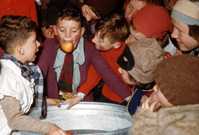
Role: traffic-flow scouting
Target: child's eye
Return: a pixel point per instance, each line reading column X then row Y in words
column 130, row 6
column 182, row 32
column 74, row 31
column 62, row 30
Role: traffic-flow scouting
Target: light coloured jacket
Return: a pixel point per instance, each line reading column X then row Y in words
column 13, row 84
column 178, row 120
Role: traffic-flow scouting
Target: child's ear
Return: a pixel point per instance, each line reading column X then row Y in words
column 117, row 45
column 82, row 31
column 20, row 49
column 55, row 29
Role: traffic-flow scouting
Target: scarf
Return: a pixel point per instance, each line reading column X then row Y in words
column 135, row 99
column 66, row 76
column 31, row 71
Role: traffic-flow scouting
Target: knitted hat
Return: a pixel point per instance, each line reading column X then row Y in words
column 147, row 53
column 104, row 7
column 186, row 11
column 153, row 21
column 178, row 79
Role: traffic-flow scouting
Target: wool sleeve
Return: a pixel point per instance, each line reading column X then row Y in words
column 18, row 120
column 93, row 79
column 107, row 74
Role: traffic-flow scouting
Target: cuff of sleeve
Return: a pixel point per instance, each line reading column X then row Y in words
column 82, row 95
column 127, row 98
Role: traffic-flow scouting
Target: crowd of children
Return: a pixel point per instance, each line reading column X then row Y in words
column 149, row 35
column 129, row 50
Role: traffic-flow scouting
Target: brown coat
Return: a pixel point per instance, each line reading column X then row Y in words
column 178, row 120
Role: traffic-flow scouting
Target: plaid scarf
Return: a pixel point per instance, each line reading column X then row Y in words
column 66, row 76
column 31, row 71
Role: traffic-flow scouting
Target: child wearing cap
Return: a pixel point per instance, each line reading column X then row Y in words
column 137, row 64
column 147, row 34
column 177, row 90
column 151, row 21
column 186, row 27
column 185, row 20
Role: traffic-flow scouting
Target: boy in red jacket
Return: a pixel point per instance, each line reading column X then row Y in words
column 111, row 32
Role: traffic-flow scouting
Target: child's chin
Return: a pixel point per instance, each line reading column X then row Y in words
column 33, row 59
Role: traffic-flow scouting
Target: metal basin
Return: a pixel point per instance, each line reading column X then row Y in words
column 88, row 118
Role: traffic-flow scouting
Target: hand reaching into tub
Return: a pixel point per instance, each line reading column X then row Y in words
column 53, row 101
column 55, row 130
column 73, row 101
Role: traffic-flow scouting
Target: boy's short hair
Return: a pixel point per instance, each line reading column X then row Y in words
column 15, row 30
column 115, row 27
column 71, row 12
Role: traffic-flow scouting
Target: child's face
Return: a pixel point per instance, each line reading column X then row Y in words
column 164, row 102
column 125, row 76
column 135, row 36
column 181, row 34
column 104, row 44
column 69, row 30
column 132, row 8
column 29, row 48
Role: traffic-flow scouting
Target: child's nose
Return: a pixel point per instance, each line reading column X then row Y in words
column 67, row 34
column 132, row 13
column 94, row 40
column 38, row 43
column 174, row 34
column 120, row 70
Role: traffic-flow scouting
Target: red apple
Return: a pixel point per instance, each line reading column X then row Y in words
column 67, row 46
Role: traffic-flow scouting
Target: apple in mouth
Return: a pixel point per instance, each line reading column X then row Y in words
column 67, row 46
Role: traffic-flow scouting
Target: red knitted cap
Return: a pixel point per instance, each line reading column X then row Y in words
column 178, row 79
column 153, row 21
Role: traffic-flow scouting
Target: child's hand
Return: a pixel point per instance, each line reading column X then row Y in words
column 53, row 101
column 55, row 130
column 48, row 33
column 178, row 52
column 88, row 13
column 73, row 101
column 151, row 107
column 153, row 97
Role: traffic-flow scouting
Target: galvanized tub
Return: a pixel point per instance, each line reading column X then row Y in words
column 88, row 118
